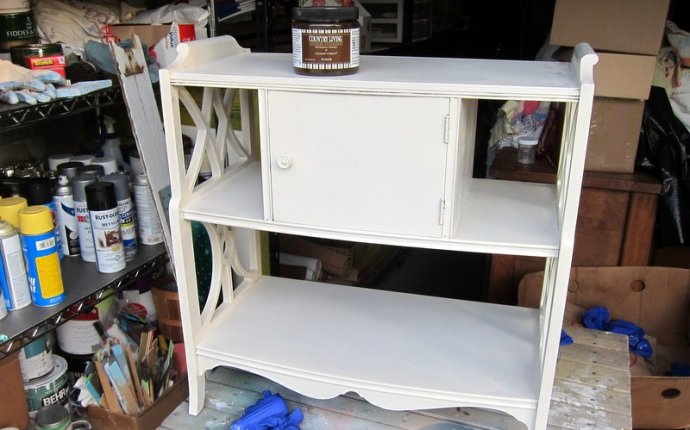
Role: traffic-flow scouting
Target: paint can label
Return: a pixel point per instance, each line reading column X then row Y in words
column 35, row 360
column 107, row 239
column 67, row 225
column 128, row 228
column 16, row 29
column 51, row 389
column 86, row 246
column 43, row 268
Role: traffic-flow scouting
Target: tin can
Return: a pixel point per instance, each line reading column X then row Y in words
column 51, row 389
column 105, row 227
column 148, row 222
column 81, row 211
column 39, row 192
column 16, row 29
column 325, row 40
column 66, row 217
column 69, row 169
column 126, row 210
column 53, row 417
column 13, row 280
column 94, row 170
column 41, row 255
column 36, row 359
column 56, row 159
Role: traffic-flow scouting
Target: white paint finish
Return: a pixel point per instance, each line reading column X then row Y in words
column 365, row 155
column 541, row 222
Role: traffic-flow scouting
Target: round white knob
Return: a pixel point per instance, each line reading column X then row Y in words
column 284, row 161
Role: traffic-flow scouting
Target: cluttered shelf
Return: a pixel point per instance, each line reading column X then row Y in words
column 84, row 288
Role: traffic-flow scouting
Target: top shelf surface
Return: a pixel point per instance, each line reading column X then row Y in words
column 491, row 79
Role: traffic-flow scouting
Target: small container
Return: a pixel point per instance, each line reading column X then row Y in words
column 527, row 148
column 325, row 40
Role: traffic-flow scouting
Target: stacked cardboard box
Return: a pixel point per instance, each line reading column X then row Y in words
column 626, row 34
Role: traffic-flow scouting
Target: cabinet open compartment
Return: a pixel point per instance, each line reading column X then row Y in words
column 381, row 156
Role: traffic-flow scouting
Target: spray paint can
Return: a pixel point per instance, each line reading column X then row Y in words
column 105, row 227
column 10, row 207
column 39, row 192
column 13, row 280
column 66, row 217
column 148, row 221
column 41, row 255
column 94, row 170
column 69, row 169
column 81, row 211
column 127, row 214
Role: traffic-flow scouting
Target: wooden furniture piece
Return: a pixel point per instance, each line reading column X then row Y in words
column 381, row 156
column 615, row 224
column 591, row 390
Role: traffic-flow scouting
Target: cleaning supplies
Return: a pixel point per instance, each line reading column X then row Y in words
column 110, row 142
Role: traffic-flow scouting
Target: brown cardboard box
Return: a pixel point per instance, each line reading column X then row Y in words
column 619, row 75
column 14, row 411
column 658, row 300
column 149, row 419
column 630, row 26
column 614, row 134
column 149, row 34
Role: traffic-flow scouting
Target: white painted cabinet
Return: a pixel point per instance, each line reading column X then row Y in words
column 381, row 156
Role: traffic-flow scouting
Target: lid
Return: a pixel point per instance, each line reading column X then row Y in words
column 56, row 159
column 119, row 180
column 100, row 196
column 109, row 164
column 35, row 220
column 10, row 207
column 6, row 229
column 79, row 184
column 85, row 159
column 38, row 191
column 94, row 170
column 528, row 141
column 325, row 14
column 69, row 169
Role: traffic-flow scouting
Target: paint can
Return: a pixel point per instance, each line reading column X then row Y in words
column 66, row 216
column 13, row 279
column 9, row 209
column 51, row 389
column 19, row 54
column 126, row 210
column 109, row 164
column 81, row 211
column 148, row 222
column 79, row 336
column 41, row 255
column 56, row 159
column 105, row 227
column 53, row 417
column 36, row 359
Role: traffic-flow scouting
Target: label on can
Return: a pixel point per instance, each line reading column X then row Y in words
column 148, row 222
column 35, row 359
column 51, row 389
column 13, row 278
column 16, row 29
column 43, row 268
column 86, row 246
column 67, row 225
column 128, row 227
column 107, row 239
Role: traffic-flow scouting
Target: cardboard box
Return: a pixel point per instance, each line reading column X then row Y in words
column 658, row 300
column 150, row 418
column 14, row 411
column 614, row 134
column 149, row 34
column 619, row 75
column 629, row 26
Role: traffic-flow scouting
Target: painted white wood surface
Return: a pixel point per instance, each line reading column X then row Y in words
column 591, row 390
column 245, row 332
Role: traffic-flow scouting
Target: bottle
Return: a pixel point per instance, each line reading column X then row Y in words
column 148, row 222
column 105, row 227
column 81, row 211
column 39, row 243
column 111, row 143
column 127, row 214
column 66, row 216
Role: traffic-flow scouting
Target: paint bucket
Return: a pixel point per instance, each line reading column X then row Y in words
column 36, row 359
column 51, row 389
column 53, row 417
column 79, row 336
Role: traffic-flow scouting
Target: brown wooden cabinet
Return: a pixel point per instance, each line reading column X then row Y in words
column 614, row 228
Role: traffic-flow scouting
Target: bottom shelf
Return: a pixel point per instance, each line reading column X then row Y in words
column 399, row 351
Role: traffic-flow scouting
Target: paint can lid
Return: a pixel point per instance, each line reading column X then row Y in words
column 100, row 196
column 57, row 159
column 94, row 170
column 10, row 207
column 35, row 219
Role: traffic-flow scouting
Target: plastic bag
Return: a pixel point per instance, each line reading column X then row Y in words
column 663, row 152
column 268, row 413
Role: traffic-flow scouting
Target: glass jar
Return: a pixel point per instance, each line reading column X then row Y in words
column 325, row 40
column 527, row 149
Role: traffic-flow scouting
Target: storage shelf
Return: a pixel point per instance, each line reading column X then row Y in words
column 525, row 80
column 432, row 347
column 84, row 287
column 523, row 216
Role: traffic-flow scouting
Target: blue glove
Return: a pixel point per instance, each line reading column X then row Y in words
column 596, row 318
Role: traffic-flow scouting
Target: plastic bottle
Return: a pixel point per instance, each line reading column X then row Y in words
column 111, row 143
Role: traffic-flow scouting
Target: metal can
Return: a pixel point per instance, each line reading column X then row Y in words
column 10, row 207
column 81, row 211
column 66, row 217
column 16, row 29
column 148, row 222
column 41, row 255
column 105, row 227
column 53, row 417
column 13, row 280
column 126, row 209
column 39, row 192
